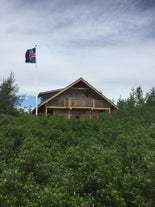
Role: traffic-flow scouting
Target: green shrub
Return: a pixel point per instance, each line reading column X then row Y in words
column 52, row 161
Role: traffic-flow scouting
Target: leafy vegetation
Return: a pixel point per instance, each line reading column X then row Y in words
column 53, row 161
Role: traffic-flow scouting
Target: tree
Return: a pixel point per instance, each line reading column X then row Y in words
column 122, row 103
column 8, row 96
column 136, row 99
column 140, row 100
column 150, row 97
column 131, row 101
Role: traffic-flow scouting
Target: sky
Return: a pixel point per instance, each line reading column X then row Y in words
column 110, row 43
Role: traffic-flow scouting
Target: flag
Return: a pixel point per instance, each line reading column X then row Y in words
column 30, row 56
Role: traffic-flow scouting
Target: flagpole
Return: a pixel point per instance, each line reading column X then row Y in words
column 36, row 83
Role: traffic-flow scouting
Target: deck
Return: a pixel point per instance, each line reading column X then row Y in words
column 79, row 103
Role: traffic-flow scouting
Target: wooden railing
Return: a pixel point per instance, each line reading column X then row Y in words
column 79, row 103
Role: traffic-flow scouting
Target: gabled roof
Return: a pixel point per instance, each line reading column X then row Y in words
column 71, row 85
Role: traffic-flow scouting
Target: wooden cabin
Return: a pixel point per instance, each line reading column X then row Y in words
column 77, row 100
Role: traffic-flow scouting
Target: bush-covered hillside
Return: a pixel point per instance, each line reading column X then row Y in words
column 53, row 161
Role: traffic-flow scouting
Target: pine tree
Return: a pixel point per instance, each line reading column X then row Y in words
column 8, row 96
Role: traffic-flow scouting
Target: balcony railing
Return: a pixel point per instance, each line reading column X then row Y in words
column 79, row 103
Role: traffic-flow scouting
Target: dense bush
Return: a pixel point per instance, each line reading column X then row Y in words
column 53, row 161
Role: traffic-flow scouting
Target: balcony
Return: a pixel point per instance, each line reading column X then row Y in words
column 80, row 103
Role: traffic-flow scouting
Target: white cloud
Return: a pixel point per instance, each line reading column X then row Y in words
column 109, row 43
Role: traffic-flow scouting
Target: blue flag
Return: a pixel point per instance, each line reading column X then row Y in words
column 30, row 56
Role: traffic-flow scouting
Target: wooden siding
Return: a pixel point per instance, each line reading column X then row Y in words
column 75, row 113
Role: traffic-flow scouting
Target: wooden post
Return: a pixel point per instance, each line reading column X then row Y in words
column 90, row 114
column 69, row 114
column 109, row 110
column 45, row 109
column 93, row 103
column 69, row 102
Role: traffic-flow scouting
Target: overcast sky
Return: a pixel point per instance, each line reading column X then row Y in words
column 110, row 43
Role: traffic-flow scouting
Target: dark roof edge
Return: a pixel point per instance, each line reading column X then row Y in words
column 51, row 91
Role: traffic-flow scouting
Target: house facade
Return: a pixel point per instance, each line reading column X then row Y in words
column 77, row 100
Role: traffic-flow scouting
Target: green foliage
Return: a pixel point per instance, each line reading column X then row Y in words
column 53, row 161
column 8, row 96
column 137, row 98
column 150, row 97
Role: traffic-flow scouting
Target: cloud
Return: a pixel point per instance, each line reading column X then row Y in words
column 109, row 43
